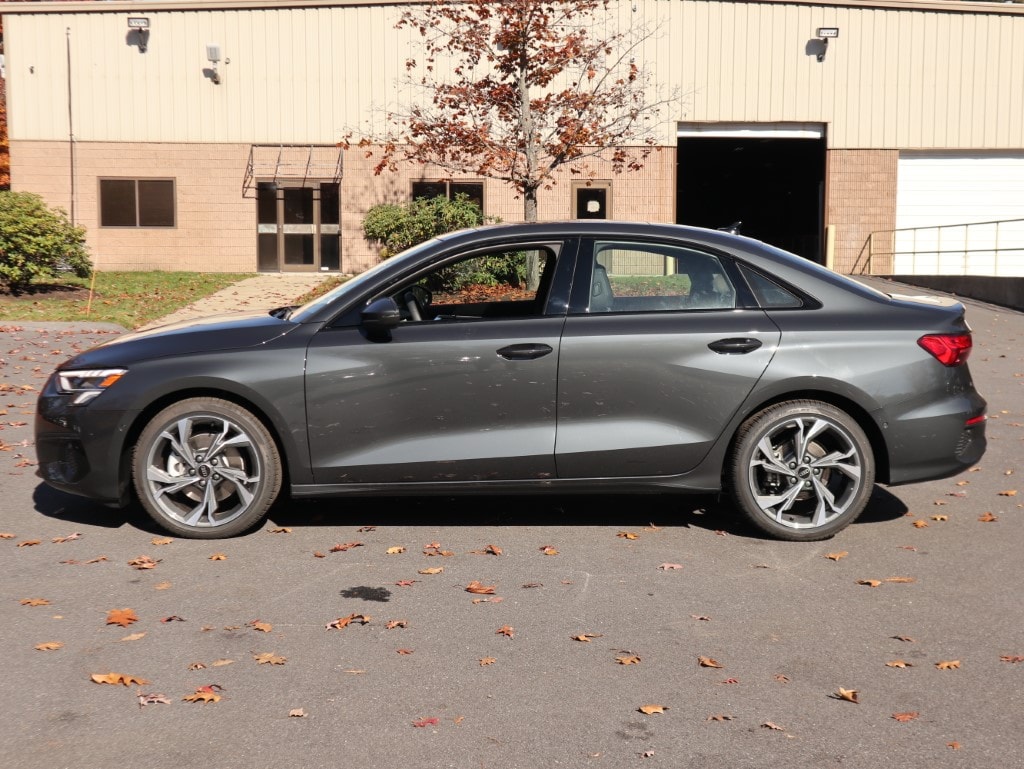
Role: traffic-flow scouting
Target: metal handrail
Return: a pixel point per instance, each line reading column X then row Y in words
column 938, row 243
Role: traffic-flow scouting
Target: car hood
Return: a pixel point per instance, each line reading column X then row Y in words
column 203, row 335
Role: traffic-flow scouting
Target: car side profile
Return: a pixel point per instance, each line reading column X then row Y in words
column 573, row 357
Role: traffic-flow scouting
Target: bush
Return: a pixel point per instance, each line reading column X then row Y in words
column 37, row 242
column 400, row 226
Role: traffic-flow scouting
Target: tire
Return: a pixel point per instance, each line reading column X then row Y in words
column 808, row 497
column 206, row 468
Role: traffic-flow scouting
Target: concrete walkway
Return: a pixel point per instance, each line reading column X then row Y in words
column 264, row 291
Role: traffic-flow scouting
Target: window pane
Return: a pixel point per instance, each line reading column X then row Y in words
column 330, row 203
column 266, row 246
column 769, row 293
column 429, row 190
column 156, row 203
column 472, row 190
column 298, row 250
column 266, row 203
column 298, row 205
column 117, row 203
column 330, row 252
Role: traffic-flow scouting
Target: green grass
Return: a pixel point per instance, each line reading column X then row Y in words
column 129, row 299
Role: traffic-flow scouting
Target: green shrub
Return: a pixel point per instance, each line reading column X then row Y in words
column 400, row 226
column 37, row 242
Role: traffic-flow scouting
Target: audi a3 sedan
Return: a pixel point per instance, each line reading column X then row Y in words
column 577, row 357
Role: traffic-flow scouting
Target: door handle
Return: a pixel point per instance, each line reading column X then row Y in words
column 736, row 346
column 525, row 351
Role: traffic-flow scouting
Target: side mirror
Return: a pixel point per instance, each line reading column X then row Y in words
column 380, row 315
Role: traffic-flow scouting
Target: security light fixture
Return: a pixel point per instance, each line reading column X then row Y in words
column 140, row 26
column 213, row 56
column 824, row 35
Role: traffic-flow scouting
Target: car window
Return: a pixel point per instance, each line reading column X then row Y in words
column 503, row 283
column 770, row 294
column 648, row 277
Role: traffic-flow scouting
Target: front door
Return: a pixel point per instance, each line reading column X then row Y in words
column 298, row 227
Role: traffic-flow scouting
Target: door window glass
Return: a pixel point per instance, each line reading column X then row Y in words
column 654, row 277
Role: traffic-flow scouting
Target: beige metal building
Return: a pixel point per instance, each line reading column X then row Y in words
column 203, row 135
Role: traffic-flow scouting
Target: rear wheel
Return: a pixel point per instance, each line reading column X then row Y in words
column 802, row 470
column 206, row 468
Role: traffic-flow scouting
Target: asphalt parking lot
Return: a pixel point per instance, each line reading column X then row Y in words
column 343, row 634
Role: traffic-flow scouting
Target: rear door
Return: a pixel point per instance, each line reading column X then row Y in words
column 656, row 357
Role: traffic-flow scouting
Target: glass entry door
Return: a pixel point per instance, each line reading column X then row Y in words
column 298, row 227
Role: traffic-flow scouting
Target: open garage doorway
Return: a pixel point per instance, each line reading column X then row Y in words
column 771, row 179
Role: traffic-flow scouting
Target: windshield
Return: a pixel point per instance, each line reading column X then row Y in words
column 310, row 308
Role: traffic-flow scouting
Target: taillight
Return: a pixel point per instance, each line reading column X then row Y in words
column 948, row 349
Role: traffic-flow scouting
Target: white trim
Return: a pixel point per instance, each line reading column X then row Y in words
column 752, row 130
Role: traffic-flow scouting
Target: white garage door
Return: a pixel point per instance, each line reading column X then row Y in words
column 960, row 214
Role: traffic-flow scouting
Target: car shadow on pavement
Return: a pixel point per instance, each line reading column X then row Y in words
column 67, row 507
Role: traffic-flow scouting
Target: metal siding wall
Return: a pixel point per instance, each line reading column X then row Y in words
column 894, row 78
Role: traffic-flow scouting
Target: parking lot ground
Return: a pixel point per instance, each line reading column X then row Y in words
column 600, row 606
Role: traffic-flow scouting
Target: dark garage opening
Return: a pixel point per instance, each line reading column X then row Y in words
column 775, row 187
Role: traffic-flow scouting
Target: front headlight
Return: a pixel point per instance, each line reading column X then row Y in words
column 86, row 385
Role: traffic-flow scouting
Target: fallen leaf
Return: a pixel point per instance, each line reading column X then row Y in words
column 920, row 524
column 904, row 638
column 161, row 541
column 7, row 535
column 122, row 617
column 152, row 699
column 901, row 580
column 263, row 627
column 404, row 652
column 954, row 745
column 708, row 662
column 904, row 717
column 434, row 570
column 218, row 557
column 68, row 538
column 1009, row 493
column 1012, row 658
column 850, row 695
column 484, row 661
column 117, row 678
column 281, row 530
column 528, row 585
column 701, row 617
column 719, row 717
column 204, row 694
column 490, row 599
column 781, row 678
column 631, row 659
column 585, row 637
column 396, row 550
column 134, row 636
column 477, row 587
column 899, row 664
column 774, row 727
column 627, row 535
column 269, row 658
column 172, row 618
column 948, row 665
column 488, row 550
column 549, row 550
column 220, row 663
column 670, row 566
column 143, row 562
column 346, row 546
column 296, row 713
column 506, row 630
column 342, row 622
column 988, row 518
column 30, row 543
column 650, row 710
column 406, row 582
column 49, row 646
column 836, row 556
column 869, row 582
column 162, row 586
column 396, row 623
column 197, row 666
column 432, row 721
column 318, row 554
column 35, row 602
column 366, row 529
column 940, row 518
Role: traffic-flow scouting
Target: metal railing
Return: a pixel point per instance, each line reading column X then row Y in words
column 973, row 248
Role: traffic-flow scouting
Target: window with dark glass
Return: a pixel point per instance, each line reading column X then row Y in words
column 439, row 189
column 137, row 203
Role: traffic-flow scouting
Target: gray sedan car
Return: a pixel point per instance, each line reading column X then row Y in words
column 576, row 357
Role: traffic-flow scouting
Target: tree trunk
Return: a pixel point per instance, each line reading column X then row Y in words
column 530, row 215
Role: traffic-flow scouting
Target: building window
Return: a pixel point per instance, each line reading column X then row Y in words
column 137, row 203
column 472, row 190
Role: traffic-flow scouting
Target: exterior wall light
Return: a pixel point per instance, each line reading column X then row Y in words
column 824, row 35
column 139, row 27
column 213, row 56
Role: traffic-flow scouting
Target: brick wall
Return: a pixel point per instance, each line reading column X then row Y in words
column 860, row 199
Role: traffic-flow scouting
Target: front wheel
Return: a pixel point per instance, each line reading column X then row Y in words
column 802, row 470
column 206, row 468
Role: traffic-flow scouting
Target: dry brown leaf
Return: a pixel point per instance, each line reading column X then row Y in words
column 152, row 699
column 489, row 599
column 549, row 550
column 719, row 717
column 158, row 541
column 1008, row 493
column 404, row 652
column 627, row 535
column 434, row 570
column 68, row 538
column 901, row 580
column 940, row 518
column 269, row 658
column 342, row 622
column 197, row 666
column 898, row 664
column 218, row 557
column 650, row 710
column 162, row 586
column 477, row 587
column 836, row 556
column 773, row 727
column 35, row 602
column 204, row 694
column 920, row 524
column 904, row 638
column 850, row 695
column 585, row 637
column 954, row 745
column 488, row 550
column 708, row 662
column 7, row 535
column 869, row 582
column 904, row 717
column 263, row 627
column 630, row 659
column 396, row 550
column 296, row 713
column 220, row 663
column 781, row 678
column 948, row 665
column 988, row 518
column 30, row 543
column 484, row 661
column 1012, row 658
column 670, row 566
column 122, row 617
column 506, row 630
column 118, row 678
column 406, row 582
column 701, row 617
column 134, row 636
column 280, row 530
column 396, row 623
column 49, row 646
column 432, row 721
column 341, row 548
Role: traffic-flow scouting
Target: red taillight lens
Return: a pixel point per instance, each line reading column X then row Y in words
column 948, row 349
